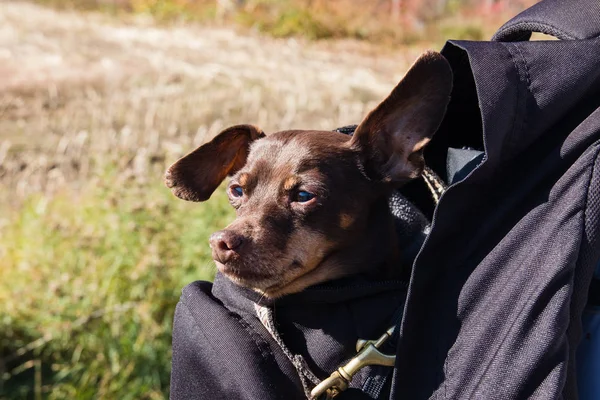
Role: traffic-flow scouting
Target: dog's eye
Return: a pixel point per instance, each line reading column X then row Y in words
column 236, row 191
column 303, row 196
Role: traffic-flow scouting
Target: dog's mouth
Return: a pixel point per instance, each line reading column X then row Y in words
column 276, row 281
column 264, row 282
column 244, row 276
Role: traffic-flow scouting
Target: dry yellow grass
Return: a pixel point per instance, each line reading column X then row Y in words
column 77, row 88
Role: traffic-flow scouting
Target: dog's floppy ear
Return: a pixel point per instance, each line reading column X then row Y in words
column 392, row 136
column 196, row 176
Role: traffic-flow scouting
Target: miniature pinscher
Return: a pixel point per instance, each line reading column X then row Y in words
column 312, row 205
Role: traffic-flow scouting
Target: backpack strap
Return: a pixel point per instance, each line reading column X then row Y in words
column 564, row 19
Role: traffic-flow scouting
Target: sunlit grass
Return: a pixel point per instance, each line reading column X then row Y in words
column 88, row 284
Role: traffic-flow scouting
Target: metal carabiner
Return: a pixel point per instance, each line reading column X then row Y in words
column 368, row 354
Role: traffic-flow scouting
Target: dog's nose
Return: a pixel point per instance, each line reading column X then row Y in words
column 224, row 245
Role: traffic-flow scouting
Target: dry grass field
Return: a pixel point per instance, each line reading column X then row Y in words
column 94, row 250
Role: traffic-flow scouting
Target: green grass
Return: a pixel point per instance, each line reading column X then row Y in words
column 88, row 284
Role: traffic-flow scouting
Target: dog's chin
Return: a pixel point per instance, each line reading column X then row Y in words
column 269, row 285
column 246, row 277
column 292, row 279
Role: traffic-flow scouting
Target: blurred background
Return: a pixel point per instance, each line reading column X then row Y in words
column 98, row 97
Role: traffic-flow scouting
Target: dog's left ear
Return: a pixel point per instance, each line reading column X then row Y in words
column 392, row 137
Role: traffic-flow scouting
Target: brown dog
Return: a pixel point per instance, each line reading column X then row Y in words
column 312, row 205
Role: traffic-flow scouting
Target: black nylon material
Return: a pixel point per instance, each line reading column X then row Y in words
column 498, row 316
column 222, row 351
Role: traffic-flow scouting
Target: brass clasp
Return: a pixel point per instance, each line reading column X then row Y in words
column 368, row 354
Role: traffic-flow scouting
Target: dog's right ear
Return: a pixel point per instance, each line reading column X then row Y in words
column 392, row 137
column 196, row 176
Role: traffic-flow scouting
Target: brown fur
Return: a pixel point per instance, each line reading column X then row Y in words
column 279, row 244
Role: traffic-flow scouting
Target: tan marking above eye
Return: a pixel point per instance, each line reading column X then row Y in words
column 243, row 180
column 290, row 183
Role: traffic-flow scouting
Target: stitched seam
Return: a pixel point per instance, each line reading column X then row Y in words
column 517, row 95
column 445, row 369
column 528, row 91
column 261, row 345
column 527, row 76
column 584, row 229
column 587, row 198
column 593, row 163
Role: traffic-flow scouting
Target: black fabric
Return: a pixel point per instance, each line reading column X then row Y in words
column 494, row 305
column 222, row 351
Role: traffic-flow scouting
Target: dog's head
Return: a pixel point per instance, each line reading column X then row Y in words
column 311, row 205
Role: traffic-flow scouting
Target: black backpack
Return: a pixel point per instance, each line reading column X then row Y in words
column 494, row 306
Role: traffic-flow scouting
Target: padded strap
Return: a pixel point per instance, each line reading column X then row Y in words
column 564, row 19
